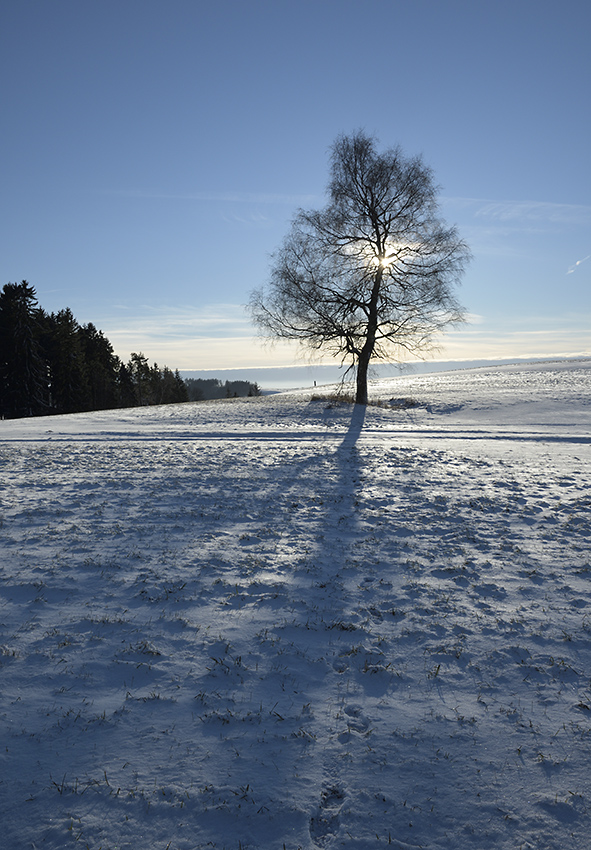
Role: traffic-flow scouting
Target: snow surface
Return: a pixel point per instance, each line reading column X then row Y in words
column 280, row 623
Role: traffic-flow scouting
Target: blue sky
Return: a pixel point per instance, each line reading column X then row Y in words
column 154, row 153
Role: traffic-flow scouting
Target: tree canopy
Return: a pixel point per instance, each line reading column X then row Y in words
column 371, row 276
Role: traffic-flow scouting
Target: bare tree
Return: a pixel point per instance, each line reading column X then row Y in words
column 371, row 276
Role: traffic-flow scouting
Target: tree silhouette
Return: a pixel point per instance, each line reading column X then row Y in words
column 23, row 379
column 371, row 276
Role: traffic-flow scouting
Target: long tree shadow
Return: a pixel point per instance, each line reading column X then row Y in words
column 355, row 426
column 253, row 574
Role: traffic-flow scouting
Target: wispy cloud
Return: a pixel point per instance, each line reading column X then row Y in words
column 254, row 217
column 577, row 264
column 512, row 211
column 189, row 322
column 519, row 230
column 219, row 197
column 539, row 211
column 523, row 336
column 215, row 336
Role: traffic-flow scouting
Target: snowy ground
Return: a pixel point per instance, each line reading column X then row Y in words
column 275, row 623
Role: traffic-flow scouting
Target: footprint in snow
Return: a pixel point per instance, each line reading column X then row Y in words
column 356, row 724
column 325, row 823
column 340, row 665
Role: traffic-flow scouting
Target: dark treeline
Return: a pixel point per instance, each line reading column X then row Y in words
column 51, row 364
column 200, row 389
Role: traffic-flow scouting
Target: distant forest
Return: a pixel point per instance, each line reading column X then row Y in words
column 51, row 364
column 207, row 388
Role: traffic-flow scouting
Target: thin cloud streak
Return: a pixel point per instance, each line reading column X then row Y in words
column 577, row 264
column 519, row 232
column 190, row 321
column 220, row 197
column 511, row 211
column 525, row 336
column 226, row 352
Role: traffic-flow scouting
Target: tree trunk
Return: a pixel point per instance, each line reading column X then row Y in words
column 362, row 367
column 370, row 340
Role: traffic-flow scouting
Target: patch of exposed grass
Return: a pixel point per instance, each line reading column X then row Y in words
column 340, row 399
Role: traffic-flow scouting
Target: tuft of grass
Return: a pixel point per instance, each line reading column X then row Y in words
column 338, row 399
column 400, row 403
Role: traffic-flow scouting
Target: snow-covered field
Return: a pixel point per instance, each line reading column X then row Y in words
column 275, row 623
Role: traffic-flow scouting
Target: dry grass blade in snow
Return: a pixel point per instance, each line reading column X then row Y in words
column 275, row 623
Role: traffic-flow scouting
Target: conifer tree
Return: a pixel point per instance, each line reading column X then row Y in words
column 23, row 380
